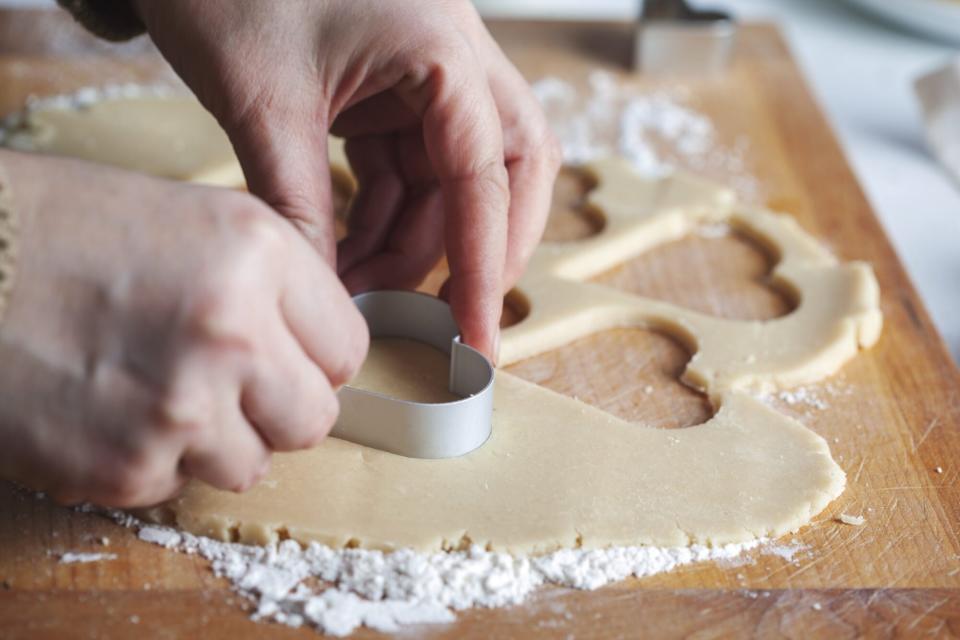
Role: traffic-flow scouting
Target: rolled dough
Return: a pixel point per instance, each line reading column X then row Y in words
column 556, row 472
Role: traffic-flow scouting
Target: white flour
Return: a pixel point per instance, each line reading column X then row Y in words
column 384, row 591
column 813, row 397
column 803, row 396
column 656, row 131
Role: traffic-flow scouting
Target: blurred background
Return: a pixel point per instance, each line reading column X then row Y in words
column 861, row 58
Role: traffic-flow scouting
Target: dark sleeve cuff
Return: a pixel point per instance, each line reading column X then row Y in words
column 109, row 19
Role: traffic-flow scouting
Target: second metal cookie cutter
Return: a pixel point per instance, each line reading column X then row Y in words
column 418, row 429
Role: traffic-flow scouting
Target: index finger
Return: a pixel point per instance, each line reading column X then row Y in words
column 464, row 143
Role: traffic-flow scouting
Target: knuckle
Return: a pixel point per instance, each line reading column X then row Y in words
column 492, row 182
column 215, row 316
column 179, row 413
column 258, row 231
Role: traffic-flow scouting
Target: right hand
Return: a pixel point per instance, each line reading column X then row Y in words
column 451, row 151
column 158, row 331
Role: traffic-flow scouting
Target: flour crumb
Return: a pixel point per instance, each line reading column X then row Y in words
column 817, row 606
column 856, row 521
column 938, row 469
column 648, row 389
column 80, row 557
column 803, row 396
column 163, row 536
column 787, row 552
column 134, row 619
column 656, row 131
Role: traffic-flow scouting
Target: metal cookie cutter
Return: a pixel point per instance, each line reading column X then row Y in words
column 419, row 429
column 674, row 38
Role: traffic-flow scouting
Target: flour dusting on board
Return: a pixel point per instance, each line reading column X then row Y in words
column 656, row 131
column 80, row 557
column 385, row 591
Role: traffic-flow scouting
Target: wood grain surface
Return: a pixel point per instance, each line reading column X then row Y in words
column 891, row 415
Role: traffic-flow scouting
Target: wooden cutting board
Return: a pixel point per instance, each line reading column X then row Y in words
column 891, row 415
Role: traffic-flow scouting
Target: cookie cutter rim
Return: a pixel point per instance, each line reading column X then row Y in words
column 420, row 429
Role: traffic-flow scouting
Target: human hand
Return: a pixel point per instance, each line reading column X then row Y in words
column 158, row 331
column 449, row 146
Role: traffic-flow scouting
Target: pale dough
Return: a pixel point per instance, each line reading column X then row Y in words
column 838, row 305
column 557, row 472
column 406, row 370
column 170, row 136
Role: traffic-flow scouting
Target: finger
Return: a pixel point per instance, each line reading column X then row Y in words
column 220, row 446
column 287, row 397
column 164, row 484
column 463, row 138
column 123, row 480
column 532, row 157
column 321, row 316
column 377, row 203
column 233, row 457
column 412, row 250
column 284, row 160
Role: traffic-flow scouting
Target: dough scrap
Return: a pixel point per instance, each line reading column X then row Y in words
column 146, row 129
column 838, row 310
column 167, row 136
column 556, row 472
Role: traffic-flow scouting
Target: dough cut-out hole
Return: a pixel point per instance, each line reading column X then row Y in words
column 631, row 373
column 725, row 274
column 571, row 219
column 516, row 307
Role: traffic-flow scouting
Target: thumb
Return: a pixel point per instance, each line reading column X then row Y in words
column 285, row 164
